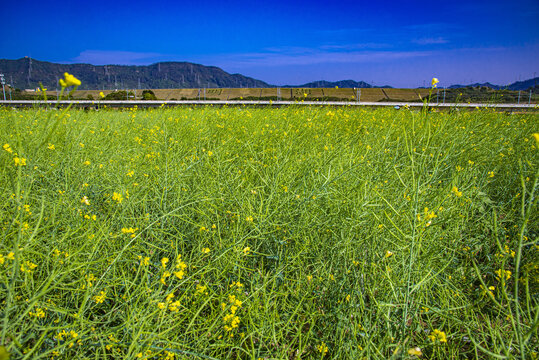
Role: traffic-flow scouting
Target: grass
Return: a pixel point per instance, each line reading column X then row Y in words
column 222, row 233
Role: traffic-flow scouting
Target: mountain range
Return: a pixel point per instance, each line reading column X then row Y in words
column 516, row 86
column 27, row 73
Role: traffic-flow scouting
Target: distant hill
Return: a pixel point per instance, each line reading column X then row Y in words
column 524, row 85
column 487, row 84
column 519, row 85
column 332, row 84
column 27, row 73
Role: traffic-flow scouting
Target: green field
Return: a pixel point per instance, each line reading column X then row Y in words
column 263, row 233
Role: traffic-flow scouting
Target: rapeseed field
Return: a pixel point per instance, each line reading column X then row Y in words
column 268, row 233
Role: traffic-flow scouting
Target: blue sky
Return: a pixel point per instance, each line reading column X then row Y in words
column 400, row 43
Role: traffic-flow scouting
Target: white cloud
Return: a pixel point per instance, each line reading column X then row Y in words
column 430, row 41
column 310, row 57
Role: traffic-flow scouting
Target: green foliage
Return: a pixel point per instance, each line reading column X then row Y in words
column 119, row 95
column 239, row 233
column 148, row 95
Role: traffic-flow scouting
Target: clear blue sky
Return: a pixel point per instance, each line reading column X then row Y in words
column 400, row 43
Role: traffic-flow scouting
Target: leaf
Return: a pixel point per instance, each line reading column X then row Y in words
column 4, row 354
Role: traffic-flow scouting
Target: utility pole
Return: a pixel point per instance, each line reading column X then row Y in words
column 519, row 96
column 3, row 83
column 444, row 95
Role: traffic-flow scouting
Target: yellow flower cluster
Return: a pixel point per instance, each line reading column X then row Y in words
column 415, row 351
column 117, row 197
column 231, row 320
column 39, row 313
column 427, row 216
column 57, row 254
column 73, row 334
column 144, row 261
column 503, row 274
column 10, row 256
column 19, row 161
column 438, row 335
column 129, row 231
column 455, row 190
column 322, row 348
column 201, row 289
column 28, row 267
column 90, row 278
column 173, row 306
column 536, row 137
column 69, row 80
column 489, row 290
column 7, row 148
column 101, row 297
column 236, row 284
column 180, row 267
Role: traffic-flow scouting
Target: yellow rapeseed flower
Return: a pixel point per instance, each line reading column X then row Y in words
column 456, row 191
column 503, row 274
column 144, row 261
column 7, row 148
column 323, row 348
column 438, row 335
column 69, row 80
column 117, row 197
column 434, row 82
column 19, row 161
column 101, row 94
column 100, row 298
column 536, row 137
column 416, row 351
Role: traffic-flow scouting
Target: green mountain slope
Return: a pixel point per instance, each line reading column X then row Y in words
column 27, row 73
